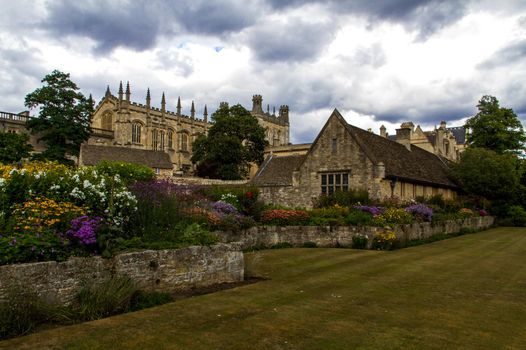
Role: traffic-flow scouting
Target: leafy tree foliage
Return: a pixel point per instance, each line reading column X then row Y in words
column 14, row 147
column 489, row 174
column 495, row 128
column 64, row 119
column 233, row 142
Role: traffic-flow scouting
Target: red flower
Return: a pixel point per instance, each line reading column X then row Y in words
column 250, row 195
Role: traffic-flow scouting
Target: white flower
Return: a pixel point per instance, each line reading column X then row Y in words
column 76, row 193
column 2, row 181
column 87, row 184
column 13, row 171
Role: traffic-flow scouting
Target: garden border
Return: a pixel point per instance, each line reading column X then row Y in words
column 341, row 236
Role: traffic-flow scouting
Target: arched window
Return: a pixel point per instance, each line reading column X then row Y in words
column 154, row 139
column 184, row 142
column 107, row 121
column 161, row 136
column 136, row 133
column 170, row 139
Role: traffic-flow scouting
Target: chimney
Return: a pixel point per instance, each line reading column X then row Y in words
column 383, row 131
column 403, row 136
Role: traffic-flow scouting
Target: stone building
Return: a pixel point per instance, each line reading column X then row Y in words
column 16, row 123
column 344, row 157
column 118, row 122
column 445, row 142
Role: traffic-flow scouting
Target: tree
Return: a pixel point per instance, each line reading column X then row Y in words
column 233, row 142
column 63, row 122
column 495, row 128
column 489, row 174
column 14, row 147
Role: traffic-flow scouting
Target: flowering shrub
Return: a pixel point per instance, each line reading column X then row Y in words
column 420, row 211
column 466, row 213
column 222, row 207
column 359, row 241
column 284, row 217
column 84, row 229
column 369, row 209
column 41, row 214
column 384, row 240
column 393, row 216
column 483, row 212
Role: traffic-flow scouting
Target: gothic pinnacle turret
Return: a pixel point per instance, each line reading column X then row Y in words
column 192, row 111
column 148, row 98
column 163, row 104
column 128, row 93
column 205, row 115
column 179, row 106
column 108, row 93
column 120, row 91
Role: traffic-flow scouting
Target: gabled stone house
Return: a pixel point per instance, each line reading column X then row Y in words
column 345, row 157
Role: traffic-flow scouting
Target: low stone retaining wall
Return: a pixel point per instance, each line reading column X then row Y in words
column 152, row 270
column 327, row 236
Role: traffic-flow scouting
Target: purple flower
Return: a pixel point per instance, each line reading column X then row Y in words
column 368, row 209
column 420, row 210
column 221, row 207
column 13, row 242
column 84, row 229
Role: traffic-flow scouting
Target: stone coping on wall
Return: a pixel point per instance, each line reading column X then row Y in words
column 169, row 271
column 341, row 236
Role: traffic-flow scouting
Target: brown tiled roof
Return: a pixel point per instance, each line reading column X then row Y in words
column 416, row 165
column 277, row 171
column 92, row 154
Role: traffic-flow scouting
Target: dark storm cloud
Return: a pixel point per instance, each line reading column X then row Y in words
column 424, row 16
column 138, row 24
column 293, row 41
column 516, row 52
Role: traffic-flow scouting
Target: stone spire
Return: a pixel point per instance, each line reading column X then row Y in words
column 108, row 93
column 148, row 98
column 257, row 101
column 128, row 93
column 179, row 106
column 120, row 91
column 192, row 111
column 163, row 104
column 268, row 108
column 205, row 115
column 274, row 111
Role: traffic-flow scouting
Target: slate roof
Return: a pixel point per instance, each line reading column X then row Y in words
column 92, row 154
column 459, row 132
column 416, row 165
column 277, row 170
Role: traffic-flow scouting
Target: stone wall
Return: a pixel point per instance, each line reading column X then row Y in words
column 327, row 236
column 161, row 270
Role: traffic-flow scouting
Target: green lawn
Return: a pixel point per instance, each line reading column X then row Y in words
column 467, row 292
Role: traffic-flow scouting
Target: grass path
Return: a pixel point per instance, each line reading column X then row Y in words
column 467, row 292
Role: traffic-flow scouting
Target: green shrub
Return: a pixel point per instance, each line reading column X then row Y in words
column 281, row 245
column 106, row 298
column 195, row 234
column 329, row 216
column 517, row 215
column 343, row 198
column 309, row 244
column 359, row 241
column 359, row 218
column 436, row 200
column 128, row 172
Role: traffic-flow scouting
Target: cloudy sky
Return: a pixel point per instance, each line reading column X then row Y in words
column 378, row 62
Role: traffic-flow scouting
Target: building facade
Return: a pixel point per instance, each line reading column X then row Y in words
column 119, row 122
column 345, row 157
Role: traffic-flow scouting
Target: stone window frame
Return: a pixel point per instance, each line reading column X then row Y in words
column 334, row 145
column 136, row 132
column 161, row 138
column 154, row 139
column 334, row 181
column 184, row 140
column 170, row 138
column 106, row 121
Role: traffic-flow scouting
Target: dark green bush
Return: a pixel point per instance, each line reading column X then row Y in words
column 329, row 216
column 359, row 241
column 309, row 244
column 143, row 300
column 359, row 218
column 128, row 172
column 343, row 198
column 281, row 245
column 517, row 215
